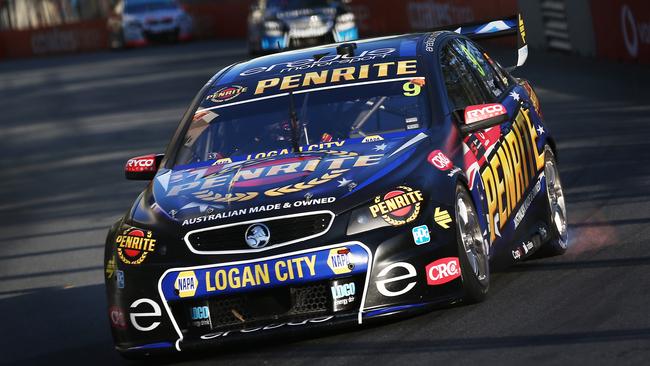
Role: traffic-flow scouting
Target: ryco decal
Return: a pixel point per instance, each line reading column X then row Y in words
column 398, row 207
column 133, row 245
column 482, row 112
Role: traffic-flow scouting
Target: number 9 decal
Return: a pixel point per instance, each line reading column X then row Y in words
column 411, row 89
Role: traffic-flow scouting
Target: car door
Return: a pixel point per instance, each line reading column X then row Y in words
column 502, row 160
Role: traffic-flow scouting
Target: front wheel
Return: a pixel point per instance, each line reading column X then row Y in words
column 472, row 249
column 556, row 206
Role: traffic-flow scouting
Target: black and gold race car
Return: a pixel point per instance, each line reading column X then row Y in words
column 333, row 185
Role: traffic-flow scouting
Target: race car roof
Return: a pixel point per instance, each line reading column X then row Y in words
column 372, row 59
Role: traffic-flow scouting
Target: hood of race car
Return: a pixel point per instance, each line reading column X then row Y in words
column 328, row 176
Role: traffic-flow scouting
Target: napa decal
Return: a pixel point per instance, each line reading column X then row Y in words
column 335, row 76
column 399, row 206
column 133, row 245
column 264, row 273
column 509, row 169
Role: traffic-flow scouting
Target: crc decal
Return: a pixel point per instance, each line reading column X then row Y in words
column 339, row 261
column 267, row 327
column 395, row 284
column 398, row 207
column 186, row 283
column 139, row 318
column 117, row 317
column 442, row 271
column 509, row 169
column 477, row 113
column 440, row 160
column 442, row 218
column 327, row 60
column 133, row 245
column 141, row 164
column 219, row 279
column 226, row 94
column 421, row 234
column 338, row 75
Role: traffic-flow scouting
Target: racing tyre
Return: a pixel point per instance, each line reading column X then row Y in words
column 557, row 221
column 472, row 249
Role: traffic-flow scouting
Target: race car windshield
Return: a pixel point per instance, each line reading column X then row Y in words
column 141, row 6
column 298, row 4
column 353, row 111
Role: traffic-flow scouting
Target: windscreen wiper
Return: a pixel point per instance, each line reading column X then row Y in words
column 293, row 122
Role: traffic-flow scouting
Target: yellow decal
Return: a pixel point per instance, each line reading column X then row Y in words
column 134, row 245
column 253, row 275
column 186, row 284
column 411, row 89
column 509, row 170
column 442, row 217
column 399, row 206
column 350, row 73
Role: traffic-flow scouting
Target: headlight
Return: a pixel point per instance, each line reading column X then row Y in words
column 273, row 28
column 361, row 221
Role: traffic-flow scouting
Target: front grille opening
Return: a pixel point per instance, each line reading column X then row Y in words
column 282, row 231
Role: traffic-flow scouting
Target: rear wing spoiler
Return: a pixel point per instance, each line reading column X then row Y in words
column 510, row 26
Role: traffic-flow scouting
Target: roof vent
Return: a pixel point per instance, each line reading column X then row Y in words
column 346, row 49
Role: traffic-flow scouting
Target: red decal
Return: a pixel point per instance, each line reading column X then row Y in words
column 440, row 160
column 477, row 113
column 142, row 164
column 443, row 270
column 118, row 319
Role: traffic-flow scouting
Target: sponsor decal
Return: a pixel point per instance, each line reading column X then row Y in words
column 440, row 160
column 141, row 164
column 516, row 254
column 398, row 207
column 507, row 172
column 270, row 272
column 395, row 284
column 133, row 245
column 477, row 113
column 185, row 284
column 267, row 327
column 119, row 277
column 442, row 271
column 327, row 60
column 257, row 236
column 226, row 94
column 117, row 317
column 249, row 176
column 260, row 209
column 339, row 260
column 442, row 218
column 110, row 268
column 343, row 295
column 372, row 138
column 152, row 311
column 527, row 202
column 338, row 75
column 200, row 316
column 421, row 234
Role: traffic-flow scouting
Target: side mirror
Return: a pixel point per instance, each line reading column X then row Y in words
column 482, row 116
column 143, row 167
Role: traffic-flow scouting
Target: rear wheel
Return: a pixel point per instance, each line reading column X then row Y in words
column 472, row 249
column 557, row 221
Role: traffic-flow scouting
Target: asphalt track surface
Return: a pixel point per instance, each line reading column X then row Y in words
column 68, row 124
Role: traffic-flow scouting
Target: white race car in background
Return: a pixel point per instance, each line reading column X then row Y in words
column 135, row 23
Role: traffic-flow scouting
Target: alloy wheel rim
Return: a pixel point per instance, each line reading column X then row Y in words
column 472, row 239
column 556, row 203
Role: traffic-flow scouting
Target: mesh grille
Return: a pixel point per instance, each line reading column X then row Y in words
column 282, row 231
